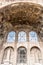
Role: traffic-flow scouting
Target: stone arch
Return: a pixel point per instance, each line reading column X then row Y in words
column 21, row 55
column 32, row 19
column 35, row 47
column 13, row 35
column 7, row 56
column 21, row 47
column 22, row 36
column 33, row 36
column 35, row 55
column 9, row 47
column 9, row 32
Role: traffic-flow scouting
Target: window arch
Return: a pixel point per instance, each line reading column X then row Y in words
column 21, row 55
column 33, row 36
column 22, row 36
column 35, row 54
column 11, row 36
column 7, row 54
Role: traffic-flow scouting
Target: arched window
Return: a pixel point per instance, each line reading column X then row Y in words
column 21, row 55
column 11, row 37
column 7, row 54
column 22, row 36
column 35, row 54
column 33, row 36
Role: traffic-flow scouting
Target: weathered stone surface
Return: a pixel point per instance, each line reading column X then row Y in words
column 21, row 17
column 21, row 14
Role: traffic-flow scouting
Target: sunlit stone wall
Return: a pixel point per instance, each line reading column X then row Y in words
column 6, row 2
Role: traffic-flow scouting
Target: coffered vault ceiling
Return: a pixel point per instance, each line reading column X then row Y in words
column 27, row 14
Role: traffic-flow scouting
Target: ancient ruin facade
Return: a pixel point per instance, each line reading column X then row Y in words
column 21, row 34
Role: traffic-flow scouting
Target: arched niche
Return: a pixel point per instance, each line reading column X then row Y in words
column 35, row 55
column 21, row 55
column 7, row 56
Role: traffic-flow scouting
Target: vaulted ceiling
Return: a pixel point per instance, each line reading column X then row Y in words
column 28, row 14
